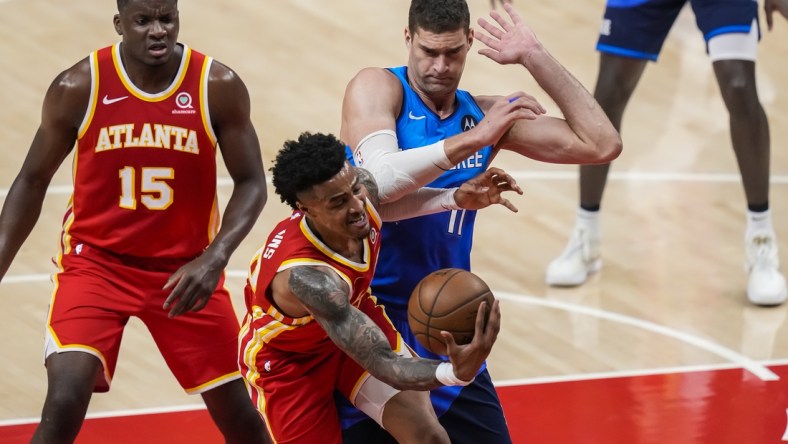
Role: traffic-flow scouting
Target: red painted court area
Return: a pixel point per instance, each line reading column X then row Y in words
column 700, row 407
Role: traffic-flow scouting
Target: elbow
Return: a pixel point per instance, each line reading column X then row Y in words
column 605, row 149
column 611, row 148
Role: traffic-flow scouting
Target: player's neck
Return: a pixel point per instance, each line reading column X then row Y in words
column 347, row 247
column 152, row 79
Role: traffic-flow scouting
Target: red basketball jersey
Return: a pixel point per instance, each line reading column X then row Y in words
column 145, row 166
column 291, row 244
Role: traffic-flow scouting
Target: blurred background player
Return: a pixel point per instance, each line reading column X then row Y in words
column 632, row 35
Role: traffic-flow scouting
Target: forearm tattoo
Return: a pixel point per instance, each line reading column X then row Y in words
column 366, row 179
column 326, row 297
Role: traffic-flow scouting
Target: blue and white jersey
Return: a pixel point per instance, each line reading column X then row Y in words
column 415, row 247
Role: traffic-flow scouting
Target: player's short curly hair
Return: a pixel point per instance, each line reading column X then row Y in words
column 439, row 16
column 301, row 164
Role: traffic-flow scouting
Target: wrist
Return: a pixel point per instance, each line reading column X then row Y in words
column 444, row 373
column 449, row 199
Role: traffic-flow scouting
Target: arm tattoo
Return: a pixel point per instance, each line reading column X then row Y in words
column 366, row 179
column 326, row 297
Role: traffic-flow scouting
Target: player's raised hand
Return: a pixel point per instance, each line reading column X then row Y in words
column 467, row 359
column 769, row 6
column 485, row 190
column 503, row 113
column 192, row 285
column 509, row 42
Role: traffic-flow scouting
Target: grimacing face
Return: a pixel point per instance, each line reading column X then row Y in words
column 149, row 29
column 436, row 61
column 336, row 206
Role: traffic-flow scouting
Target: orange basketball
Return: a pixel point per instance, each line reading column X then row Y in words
column 446, row 300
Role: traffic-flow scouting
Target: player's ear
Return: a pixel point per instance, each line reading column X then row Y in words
column 470, row 38
column 116, row 23
column 301, row 207
column 408, row 37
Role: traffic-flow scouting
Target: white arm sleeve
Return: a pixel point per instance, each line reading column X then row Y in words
column 399, row 172
column 420, row 202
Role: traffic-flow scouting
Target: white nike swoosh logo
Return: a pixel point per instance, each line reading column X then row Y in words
column 410, row 114
column 107, row 101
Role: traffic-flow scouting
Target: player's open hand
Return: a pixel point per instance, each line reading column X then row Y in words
column 486, row 189
column 192, row 285
column 493, row 3
column 468, row 359
column 769, row 6
column 510, row 41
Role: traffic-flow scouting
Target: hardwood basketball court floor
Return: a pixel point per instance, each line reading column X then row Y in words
column 660, row 347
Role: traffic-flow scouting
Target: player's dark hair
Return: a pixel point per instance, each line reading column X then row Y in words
column 122, row 4
column 439, row 16
column 306, row 162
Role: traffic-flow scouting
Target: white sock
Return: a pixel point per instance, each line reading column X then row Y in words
column 589, row 220
column 760, row 222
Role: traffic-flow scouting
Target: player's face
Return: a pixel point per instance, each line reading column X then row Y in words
column 336, row 207
column 149, row 29
column 436, row 61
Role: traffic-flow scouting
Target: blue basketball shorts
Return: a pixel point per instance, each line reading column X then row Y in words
column 637, row 28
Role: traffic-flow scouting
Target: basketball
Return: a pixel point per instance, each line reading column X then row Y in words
column 446, row 300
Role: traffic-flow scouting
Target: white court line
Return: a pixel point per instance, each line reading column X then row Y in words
column 736, row 359
column 615, row 374
column 744, row 362
column 617, row 176
column 115, row 413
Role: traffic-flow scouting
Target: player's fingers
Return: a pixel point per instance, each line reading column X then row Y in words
column 185, row 299
column 481, row 319
column 172, row 283
column 526, row 101
column 769, row 18
column 509, row 205
column 494, row 320
column 201, row 303
column 451, row 344
column 494, row 31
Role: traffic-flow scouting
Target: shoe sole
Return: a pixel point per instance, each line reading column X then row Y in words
column 595, row 266
column 779, row 300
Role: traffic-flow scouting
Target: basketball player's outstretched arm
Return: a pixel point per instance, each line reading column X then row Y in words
column 372, row 102
column 64, row 108
column 584, row 135
column 478, row 192
column 194, row 283
column 326, row 297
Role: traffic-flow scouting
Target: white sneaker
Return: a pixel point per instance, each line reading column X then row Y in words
column 766, row 285
column 579, row 259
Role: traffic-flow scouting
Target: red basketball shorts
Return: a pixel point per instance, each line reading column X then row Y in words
column 293, row 369
column 95, row 294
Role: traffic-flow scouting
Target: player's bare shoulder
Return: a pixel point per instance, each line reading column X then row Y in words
column 381, row 81
column 68, row 95
column 228, row 97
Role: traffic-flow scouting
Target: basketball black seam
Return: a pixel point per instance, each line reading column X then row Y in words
column 435, row 301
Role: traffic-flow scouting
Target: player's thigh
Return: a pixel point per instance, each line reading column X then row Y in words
column 199, row 347
column 88, row 312
column 294, row 393
column 637, row 29
column 476, row 415
column 410, row 418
